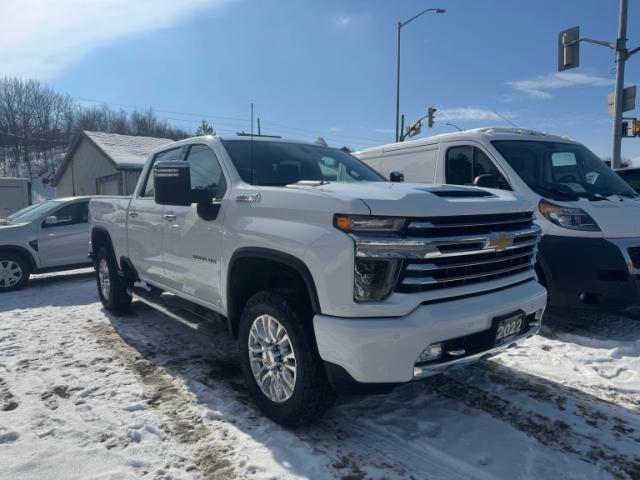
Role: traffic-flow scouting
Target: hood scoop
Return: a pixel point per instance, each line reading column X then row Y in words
column 456, row 192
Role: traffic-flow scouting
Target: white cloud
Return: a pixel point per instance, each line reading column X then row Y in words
column 39, row 38
column 539, row 87
column 342, row 20
column 467, row 114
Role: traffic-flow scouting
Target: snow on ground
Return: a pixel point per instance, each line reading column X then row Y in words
column 87, row 395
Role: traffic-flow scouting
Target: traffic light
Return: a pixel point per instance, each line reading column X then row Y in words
column 625, row 129
column 430, row 114
column 635, row 127
column 569, row 49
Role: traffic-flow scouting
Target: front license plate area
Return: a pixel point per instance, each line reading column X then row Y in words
column 508, row 327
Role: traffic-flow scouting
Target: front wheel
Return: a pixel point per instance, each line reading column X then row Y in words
column 280, row 362
column 14, row 272
column 111, row 289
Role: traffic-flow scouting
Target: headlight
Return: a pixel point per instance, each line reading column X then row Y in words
column 368, row 223
column 374, row 279
column 567, row 217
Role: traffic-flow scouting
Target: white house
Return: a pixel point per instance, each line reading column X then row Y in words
column 100, row 163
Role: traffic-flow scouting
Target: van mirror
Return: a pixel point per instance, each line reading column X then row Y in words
column 488, row 180
column 172, row 181
column 396, row 176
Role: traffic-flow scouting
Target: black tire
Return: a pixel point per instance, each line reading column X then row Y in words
column 12, row 267
column 312, row 395
column 113, row 294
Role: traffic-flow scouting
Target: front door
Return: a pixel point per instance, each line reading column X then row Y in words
column 192, row 245
column 65, row 242
column 145, row 225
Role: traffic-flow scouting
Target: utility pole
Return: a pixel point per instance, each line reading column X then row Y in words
column 399, row 133
column 621, row 57
column 569, row 57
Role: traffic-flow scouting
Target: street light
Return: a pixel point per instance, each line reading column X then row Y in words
column 400, row 25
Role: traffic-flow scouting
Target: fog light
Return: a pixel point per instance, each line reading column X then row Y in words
column 432, row 352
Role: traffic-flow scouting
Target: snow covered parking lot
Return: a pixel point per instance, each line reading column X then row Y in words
column 86, row 395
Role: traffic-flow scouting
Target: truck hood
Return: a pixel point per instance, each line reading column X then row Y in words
column 420, row 200
column 618, row 217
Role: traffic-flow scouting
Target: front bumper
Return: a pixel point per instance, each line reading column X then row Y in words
column 590, row 272
column 385, row 350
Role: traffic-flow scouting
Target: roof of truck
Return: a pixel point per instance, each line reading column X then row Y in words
column 473, row 134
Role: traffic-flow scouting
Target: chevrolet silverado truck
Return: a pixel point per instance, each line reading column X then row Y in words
column 330, row 278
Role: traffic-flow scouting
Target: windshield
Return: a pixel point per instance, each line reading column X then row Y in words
column 28, row 214
column 562, row 170
column 284, row 163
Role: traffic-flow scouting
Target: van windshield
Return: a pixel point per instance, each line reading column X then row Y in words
column 271, row 163
column 562, row 170
column 32, row 212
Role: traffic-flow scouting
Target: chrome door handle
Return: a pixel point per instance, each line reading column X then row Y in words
column 252, row 198
column 169, row 217
column 133, row 214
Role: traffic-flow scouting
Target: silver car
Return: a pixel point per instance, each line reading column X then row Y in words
column 45, row 237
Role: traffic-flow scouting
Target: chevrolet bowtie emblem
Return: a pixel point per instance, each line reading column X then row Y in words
column 500, row 243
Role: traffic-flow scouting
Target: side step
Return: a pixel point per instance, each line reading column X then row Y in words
column 183, row 311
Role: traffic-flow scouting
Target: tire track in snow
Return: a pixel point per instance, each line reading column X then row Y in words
column 578, row 432
column 165, row 395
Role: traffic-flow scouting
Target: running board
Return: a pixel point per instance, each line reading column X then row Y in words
column 183, row 311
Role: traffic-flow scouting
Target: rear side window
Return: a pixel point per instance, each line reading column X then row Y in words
column 148, row 190
column 464, row 164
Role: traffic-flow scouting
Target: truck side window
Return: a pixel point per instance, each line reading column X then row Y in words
column 205, row 170
column 466, row 163
column 148, row 190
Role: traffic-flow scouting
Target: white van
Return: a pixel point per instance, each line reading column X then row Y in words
column 15, row 194
column 590, row 218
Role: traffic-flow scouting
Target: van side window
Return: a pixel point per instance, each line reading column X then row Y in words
column 206, row 172
column 148, row 190
column 464, row 164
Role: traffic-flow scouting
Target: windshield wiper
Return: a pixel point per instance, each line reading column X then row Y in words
column 621, row 194
column 555, row 191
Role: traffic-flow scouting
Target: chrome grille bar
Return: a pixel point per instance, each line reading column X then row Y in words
column 426, row 225
column 431, row 267
column 412, row 281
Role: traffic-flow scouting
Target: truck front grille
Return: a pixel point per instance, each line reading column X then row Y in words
column 468, row 250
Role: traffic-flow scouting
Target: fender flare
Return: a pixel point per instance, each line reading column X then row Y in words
column 280, row 257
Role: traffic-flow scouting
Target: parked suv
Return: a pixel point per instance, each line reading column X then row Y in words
column 47, row 237
column 330, row 278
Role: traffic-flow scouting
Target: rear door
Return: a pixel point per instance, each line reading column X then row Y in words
column 145, row 224
column 192, row 245
column 67, row 241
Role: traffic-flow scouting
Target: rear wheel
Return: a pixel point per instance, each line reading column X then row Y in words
column 14, row 272
column 280, row 362
column 111, row 289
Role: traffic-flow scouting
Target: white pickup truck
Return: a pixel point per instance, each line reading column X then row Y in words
column 331, row 278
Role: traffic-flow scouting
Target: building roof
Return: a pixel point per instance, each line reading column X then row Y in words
column 124, row 151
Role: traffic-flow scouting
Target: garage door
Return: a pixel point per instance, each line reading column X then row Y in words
column 108, row 185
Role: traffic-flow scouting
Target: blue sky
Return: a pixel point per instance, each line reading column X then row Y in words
column 326, row 68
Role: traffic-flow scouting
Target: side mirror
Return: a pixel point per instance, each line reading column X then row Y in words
column 172, row 181
column 51, row 220
column 488, row 180
column 396, row 176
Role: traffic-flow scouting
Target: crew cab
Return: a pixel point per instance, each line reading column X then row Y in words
column 330, row 278
column 49, row 236
column 589, row 254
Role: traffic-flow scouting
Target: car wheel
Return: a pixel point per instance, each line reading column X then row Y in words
column 280, row 361
column 14, row 272
column 111, row 289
